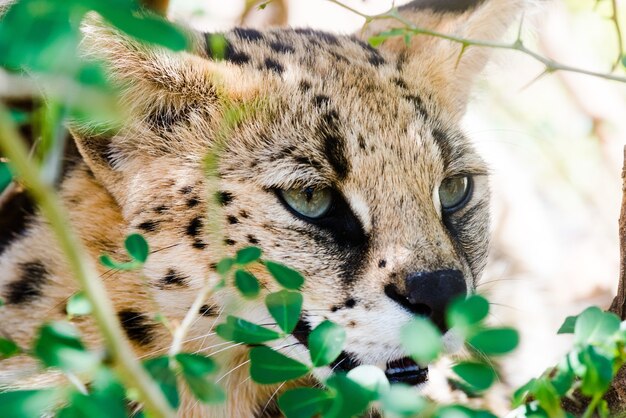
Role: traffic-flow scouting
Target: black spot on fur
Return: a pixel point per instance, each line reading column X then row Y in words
column 252, row 239
column 193, row 202
column 244, row 214
column 282, row 47
column 186, row 190
column 138, row 327
column 148, row 226
column 229, row 241
column 304, row 86
column 16, row 215
column 161, row 209
column 224, row 198
column 382, row 264
column 417, row 103
column 376, row 59
column 199, row 244
column 400, row 83
column 320, row 100
column 250, row 35
column 206, row 310
column 29, row 286
column 194, row 227
column 439, row 6
column 273, row 65
column 350, row 303
column 325, row 37
column 301, row 159
column 174, row 278
column 362, row 143
column 235, row 57
column 232, row 220
column 334, row 145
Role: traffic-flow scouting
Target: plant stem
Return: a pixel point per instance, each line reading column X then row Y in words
column 550, row 65
column 592, row 406
column 130, row 370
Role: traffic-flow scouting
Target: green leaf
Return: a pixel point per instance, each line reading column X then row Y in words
column 107, row 261
column 1, row 303
column 248, row 255
column 466, row 313
column 350, row 399
column 422, row 340
column 81, row 406
column 325, row 343
column 109, row 392
column 285, row 307
column 546, row 395
column 5, row 176
column 247, row 284
column 403, row 400
column 8, row 348
column 217, row 44
column 521, row 393
column 598, row 372
column 495, row 341
column 568, row 325
column 304, row 402
column 28, row 403
column 196, row 369
column 268, row 366
column 287, row 277
column 595, row 326
column 370, row 377
column 224, row 265
column 159, row 369
column 78, row 305
column 137, row 247
column 59, row 345
column 477, row 375
column 241, row 331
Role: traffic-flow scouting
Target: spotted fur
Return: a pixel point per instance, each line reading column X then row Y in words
column 379, row 126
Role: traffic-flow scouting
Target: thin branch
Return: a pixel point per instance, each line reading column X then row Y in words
column 517, row 45
column 618, row 33
column 130, row 370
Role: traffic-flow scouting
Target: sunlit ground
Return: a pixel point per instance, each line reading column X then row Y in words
column 555, row 146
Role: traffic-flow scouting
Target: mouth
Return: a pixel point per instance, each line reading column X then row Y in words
column 403, row 370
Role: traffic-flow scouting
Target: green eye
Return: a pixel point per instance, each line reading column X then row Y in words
column 454, row 192
column 309, row 202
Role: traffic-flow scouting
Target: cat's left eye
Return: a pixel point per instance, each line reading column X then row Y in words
column 309, row 202
column 454, row 192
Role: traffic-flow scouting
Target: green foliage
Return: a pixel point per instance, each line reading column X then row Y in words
column 495, row 341
column 568, row 325
column 5, row 176
column 401, row 400
column 78, row 305
column 325, row 343
column 247, row 284
column 304, row 402
column 137, row 249
column 8, row 348
column 268, row 366
column 284, row 275
column 422, row 340
column 59, row 345
column 196, row 372
column 28, row 403
column 478, row 376
column 159, row 369
column 248, row 255
column 241, row 331
column 285, row 307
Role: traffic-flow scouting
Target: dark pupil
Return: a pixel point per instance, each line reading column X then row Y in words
column 308, row 192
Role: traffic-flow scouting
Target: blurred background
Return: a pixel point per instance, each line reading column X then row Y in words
column 555, row 145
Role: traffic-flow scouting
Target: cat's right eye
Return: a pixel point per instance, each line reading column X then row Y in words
column 309, row 202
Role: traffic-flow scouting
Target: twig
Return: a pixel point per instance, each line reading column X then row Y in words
column 517, row 45
column 188, row 320
column 618, row 33
column 130, row 370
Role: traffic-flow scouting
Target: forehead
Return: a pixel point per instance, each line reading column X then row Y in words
column 337, row 108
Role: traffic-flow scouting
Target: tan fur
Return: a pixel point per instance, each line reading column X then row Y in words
column 396, row 114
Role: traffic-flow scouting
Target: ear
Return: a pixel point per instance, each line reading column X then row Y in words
column 442, row 64
column 172, row 101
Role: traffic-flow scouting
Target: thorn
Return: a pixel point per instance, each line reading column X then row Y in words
column 534, row 80
column 464, row 47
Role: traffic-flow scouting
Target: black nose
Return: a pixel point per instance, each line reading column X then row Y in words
column 429, row 293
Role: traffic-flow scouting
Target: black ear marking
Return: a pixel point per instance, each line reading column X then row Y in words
column 334, row 147
column 99, row 148
column 249, row 35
